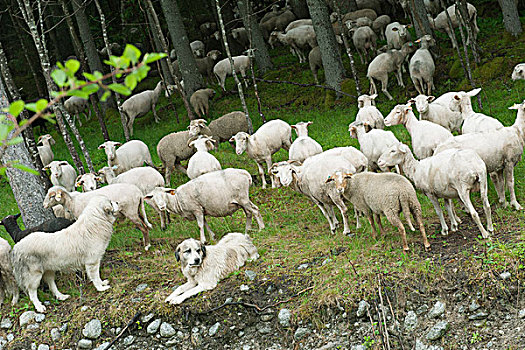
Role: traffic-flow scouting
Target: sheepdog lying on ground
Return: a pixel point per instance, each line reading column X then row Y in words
column 7, row 280
column 204, row 266
column 39, row 255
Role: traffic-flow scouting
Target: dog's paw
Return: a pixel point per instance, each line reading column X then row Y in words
column 177, row 300
column 103, row 288
column 40, row 308
column 105, row 282
column 63, row 297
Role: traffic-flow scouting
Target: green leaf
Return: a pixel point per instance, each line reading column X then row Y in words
column 152, row 57
column 72, row 66
column 23, row 122
column 89, row 76
column 31, row 107
column 2, row 170
column 142, row 72
column 105, row 96
column 55, row 94
column 41, row 104
column 89, row 89
column 120, row 89
column 24, row 168
column 14, row 141
column 131, row 81
column 78, row 93
column 49, row 118
column 59, row 76
column 16, row 108
column 131, row 53
column 5, row 129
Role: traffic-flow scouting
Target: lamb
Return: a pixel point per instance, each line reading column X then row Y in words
column 441, row 23
column 11, row 226
column 304, row 146
column 368, row 112
column 315, row 61
column 62, row 174
column 218, row 194
column 298, row 39
column 453, row 173
column 7, row 280
column 298, row 23
column 220, row 129
column 202, row 162
column 87, row 181
column 241, row 36
column 199, row 101
column 379, row 25
column 128, row 197
column 45, row 151
column 205, row 65
column 472, row 121
column 139, row 104
column 365, row 41
column 385, row 63
column 77, row 105
column 388, row 194
column 132, row 154
column 260, row 146
column 197, row 47
column 373, row 143
column 422, row 67
column 500, row 149
column 223, row 68
column 437, row 113
column 397, row 34
column 519, row 72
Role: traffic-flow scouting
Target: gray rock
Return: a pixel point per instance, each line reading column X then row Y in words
column 10, row 337
column 244, row 288
column 250, row 274
column 358, row 347
column 362, row 308
column 181, row 335
column 167, row 330
column 478, row 316
column 410, row 321
column 128, row 340
column 84, row 308
column 43, row 347
column 422, row 309
column 33, row 346
column 103, row 346
column 213, row 329
column 228, row 300
column 301, row 332
column 195, row 330
column 266, row 317
column 438, row 330
column 141, row 287
column 55, row 334
column 33, row 326
column 521, row 314
column 84, row 344
column 284, row 317
column 505, row 275
column 303, row 267
column 172, row 341
column 92, row 329
column 263, row 328
column 462, row 309
column 437, row 310
column 153, row 327
column 420, row 345
column 6, row 323
column 147, row 318
column 473, row 306
column 40, row 318
column 240, row 334
column 26, row 317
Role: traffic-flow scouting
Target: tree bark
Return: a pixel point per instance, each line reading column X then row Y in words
column 188, row 68
column 28, row 189
column 420, row 18
column 333, row 66
column 262, row 57
column 299, row 8
column 511, row 18
column 466, row 22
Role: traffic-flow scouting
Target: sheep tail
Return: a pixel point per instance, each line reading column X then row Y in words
column 142, row 214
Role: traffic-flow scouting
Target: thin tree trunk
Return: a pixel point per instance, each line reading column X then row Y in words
column 420, row 19
column 158, row 48
column 228, row 53
column 511, row 18
column 465, row 21
column 299, row 8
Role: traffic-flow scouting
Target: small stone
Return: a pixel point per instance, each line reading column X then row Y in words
column 301, row 332
column 228, row 300
column 269, row 289
column 250, row 274
column 63, row 328
column 33, row 326
column 410, row 321
column 326, row 261
column 103, row 346
column 167, row 330
column 263, row 328
column 284, row 317
column 521, row 314
column 85, row 344
column 147, row 318
column 92, row 329
column 84, row 308
column 26, row 318
column 10, row 337
column 181, row 335
column 43, row 347
column 213, row 329
column 33, row 346
column 195, row 330
column 153, row 327
column 478, row 316
column 196, row 339
column 505, row 275
column 6, row 323
column 172, row 341
column 462, row 309
column 244, row 288
column 422, row 309
column 362, row 308
column 118, row 330
column 438, row 330
column 358, row 347
column 40, row 317
column 55, row 334
column 141, row 287
column 240, row 334
column 266, row 317
column 128, row 340
column 303, row 267
column 437, row 310
column 420, row 345
column 473, row 306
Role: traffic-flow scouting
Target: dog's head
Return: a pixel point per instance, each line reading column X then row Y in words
column 190, row 253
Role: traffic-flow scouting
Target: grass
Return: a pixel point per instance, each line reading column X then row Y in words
column 342, row 269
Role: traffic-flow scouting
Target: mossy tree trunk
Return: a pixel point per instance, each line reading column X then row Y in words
column 418, row 12
column 511, row 18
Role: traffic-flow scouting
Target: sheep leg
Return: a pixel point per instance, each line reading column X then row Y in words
column 254, row 210
column 399, row 78
column 483, row 189
column 464, row 195
column 314, row 73
column 333, row 217
column 261, row 174
column 499, row 184
column 451, row 35
column 458, row 220
column 180, row 168
column 417, row 214
column 405, row 208
column 2, row 295
column 157, row 119
column 356, row 215
column 34, row 278
column 373, row 87
column 201, row 222
column 338, row 201
column 418, row 85
column 509, row 178
column 394, row 219
column 49, row 278
column 378, row 219
column 249, row 217
column 145, row 232
column 268, row 166
column 384, row 84
column 453, row 222
column 430, row 85
column 370, row 217
column 243, row 74
column 167, row 174
column 93, row 272
column 437, row 207
column 161, row 213
column 333, row 227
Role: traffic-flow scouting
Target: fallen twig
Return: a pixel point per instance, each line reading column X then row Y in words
column 137, row 315
column 304, row 85
column 399, row 334
column 382, row 307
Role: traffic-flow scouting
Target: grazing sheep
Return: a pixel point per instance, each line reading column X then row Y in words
column 77, row 105
column 450, row 174
column 223, row 68
column 202, row 162
column 364, row 40
column 425, row 135
column 7, row 280
column 197, row 47
column 304, row 146
column 397, row 34
column 205, row 65
column 298, row 39
column 379, row 25
column 315, row 61
column 128, row 197
column 132, row 154
column 62, row 174
column 368, row 112
column 298, row 23
column 472, row 121
column 139, row 104
column 218, row 194
column 260, row 146
column 208, row 28
column 222, row 128
column 171, row 89
column 441, row 22
column 388, row 194
column 360, row 13
column 87, row 181
column 45, row 151
column 241, row 36
column 519, row 72
column 200, row 101
column 437, row 113
column 273, row 13
column 11, row 226
column 385, row 63
column 282, row 20
column 422, row 67
column 360, row 22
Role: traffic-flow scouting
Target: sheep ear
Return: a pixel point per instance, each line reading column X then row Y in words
column 408, row 26
column 63, row 163
column 294, row 127
column 232, row 139
column 403, row 148
column 45, row 168
column 329, row 179
column 115, row 167
column 373, row 97
column 172, row 192
column 102, row 146
column 118, row 144
column 177, row 254
column 78, row 178
column 98, row 178
column 308, row 123
column 294, row 162
column 515, row 106
column 148, row 196
column 203, row 248
column 348, row 175
column 474, row 92
column 190, row 144
column 411, row 101
column 457, row 97
column 418, row 41
column 430, row 98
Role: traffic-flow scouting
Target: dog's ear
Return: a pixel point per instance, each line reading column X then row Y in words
column 17, row 215
column 203, row 248
column 177, row 254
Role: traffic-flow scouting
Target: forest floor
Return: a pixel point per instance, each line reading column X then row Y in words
column 303, row 267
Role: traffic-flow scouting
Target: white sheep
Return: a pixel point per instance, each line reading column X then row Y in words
column 519, row 72
column 218, row 194
column 140, row 104
column 450, row 174
column 298, row 39
column 365, row 41
column 441, row 22
column 197, row 47
column 45, row 151
column 7, row 280
column 397, row 34
column 75, row 106
column 266, row 141
column 87, row 181
column 472, row 121
column 425, row 135
column 315, row 61
column 360, row 22
column 200, row 101
column 128, row 197
column 202, row 162
column 222, row 128
column 298, row 23
column 368, row 112
column 379, row 25
column 223, row 68
column 303, row 146
column 62, row 174
column 437, row 113
column 132, row 154
column 422, row 67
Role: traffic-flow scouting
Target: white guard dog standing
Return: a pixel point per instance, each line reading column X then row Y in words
column 204, row 266
column 39, row 255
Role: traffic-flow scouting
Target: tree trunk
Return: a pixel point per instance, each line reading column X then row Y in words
column 420, row 18
column 511, row 18
column 262, row 57
column 188, row 68
column 470, row 27
column 299, row 8
column 333, row 66
column 158, row 48
column 28, row 189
